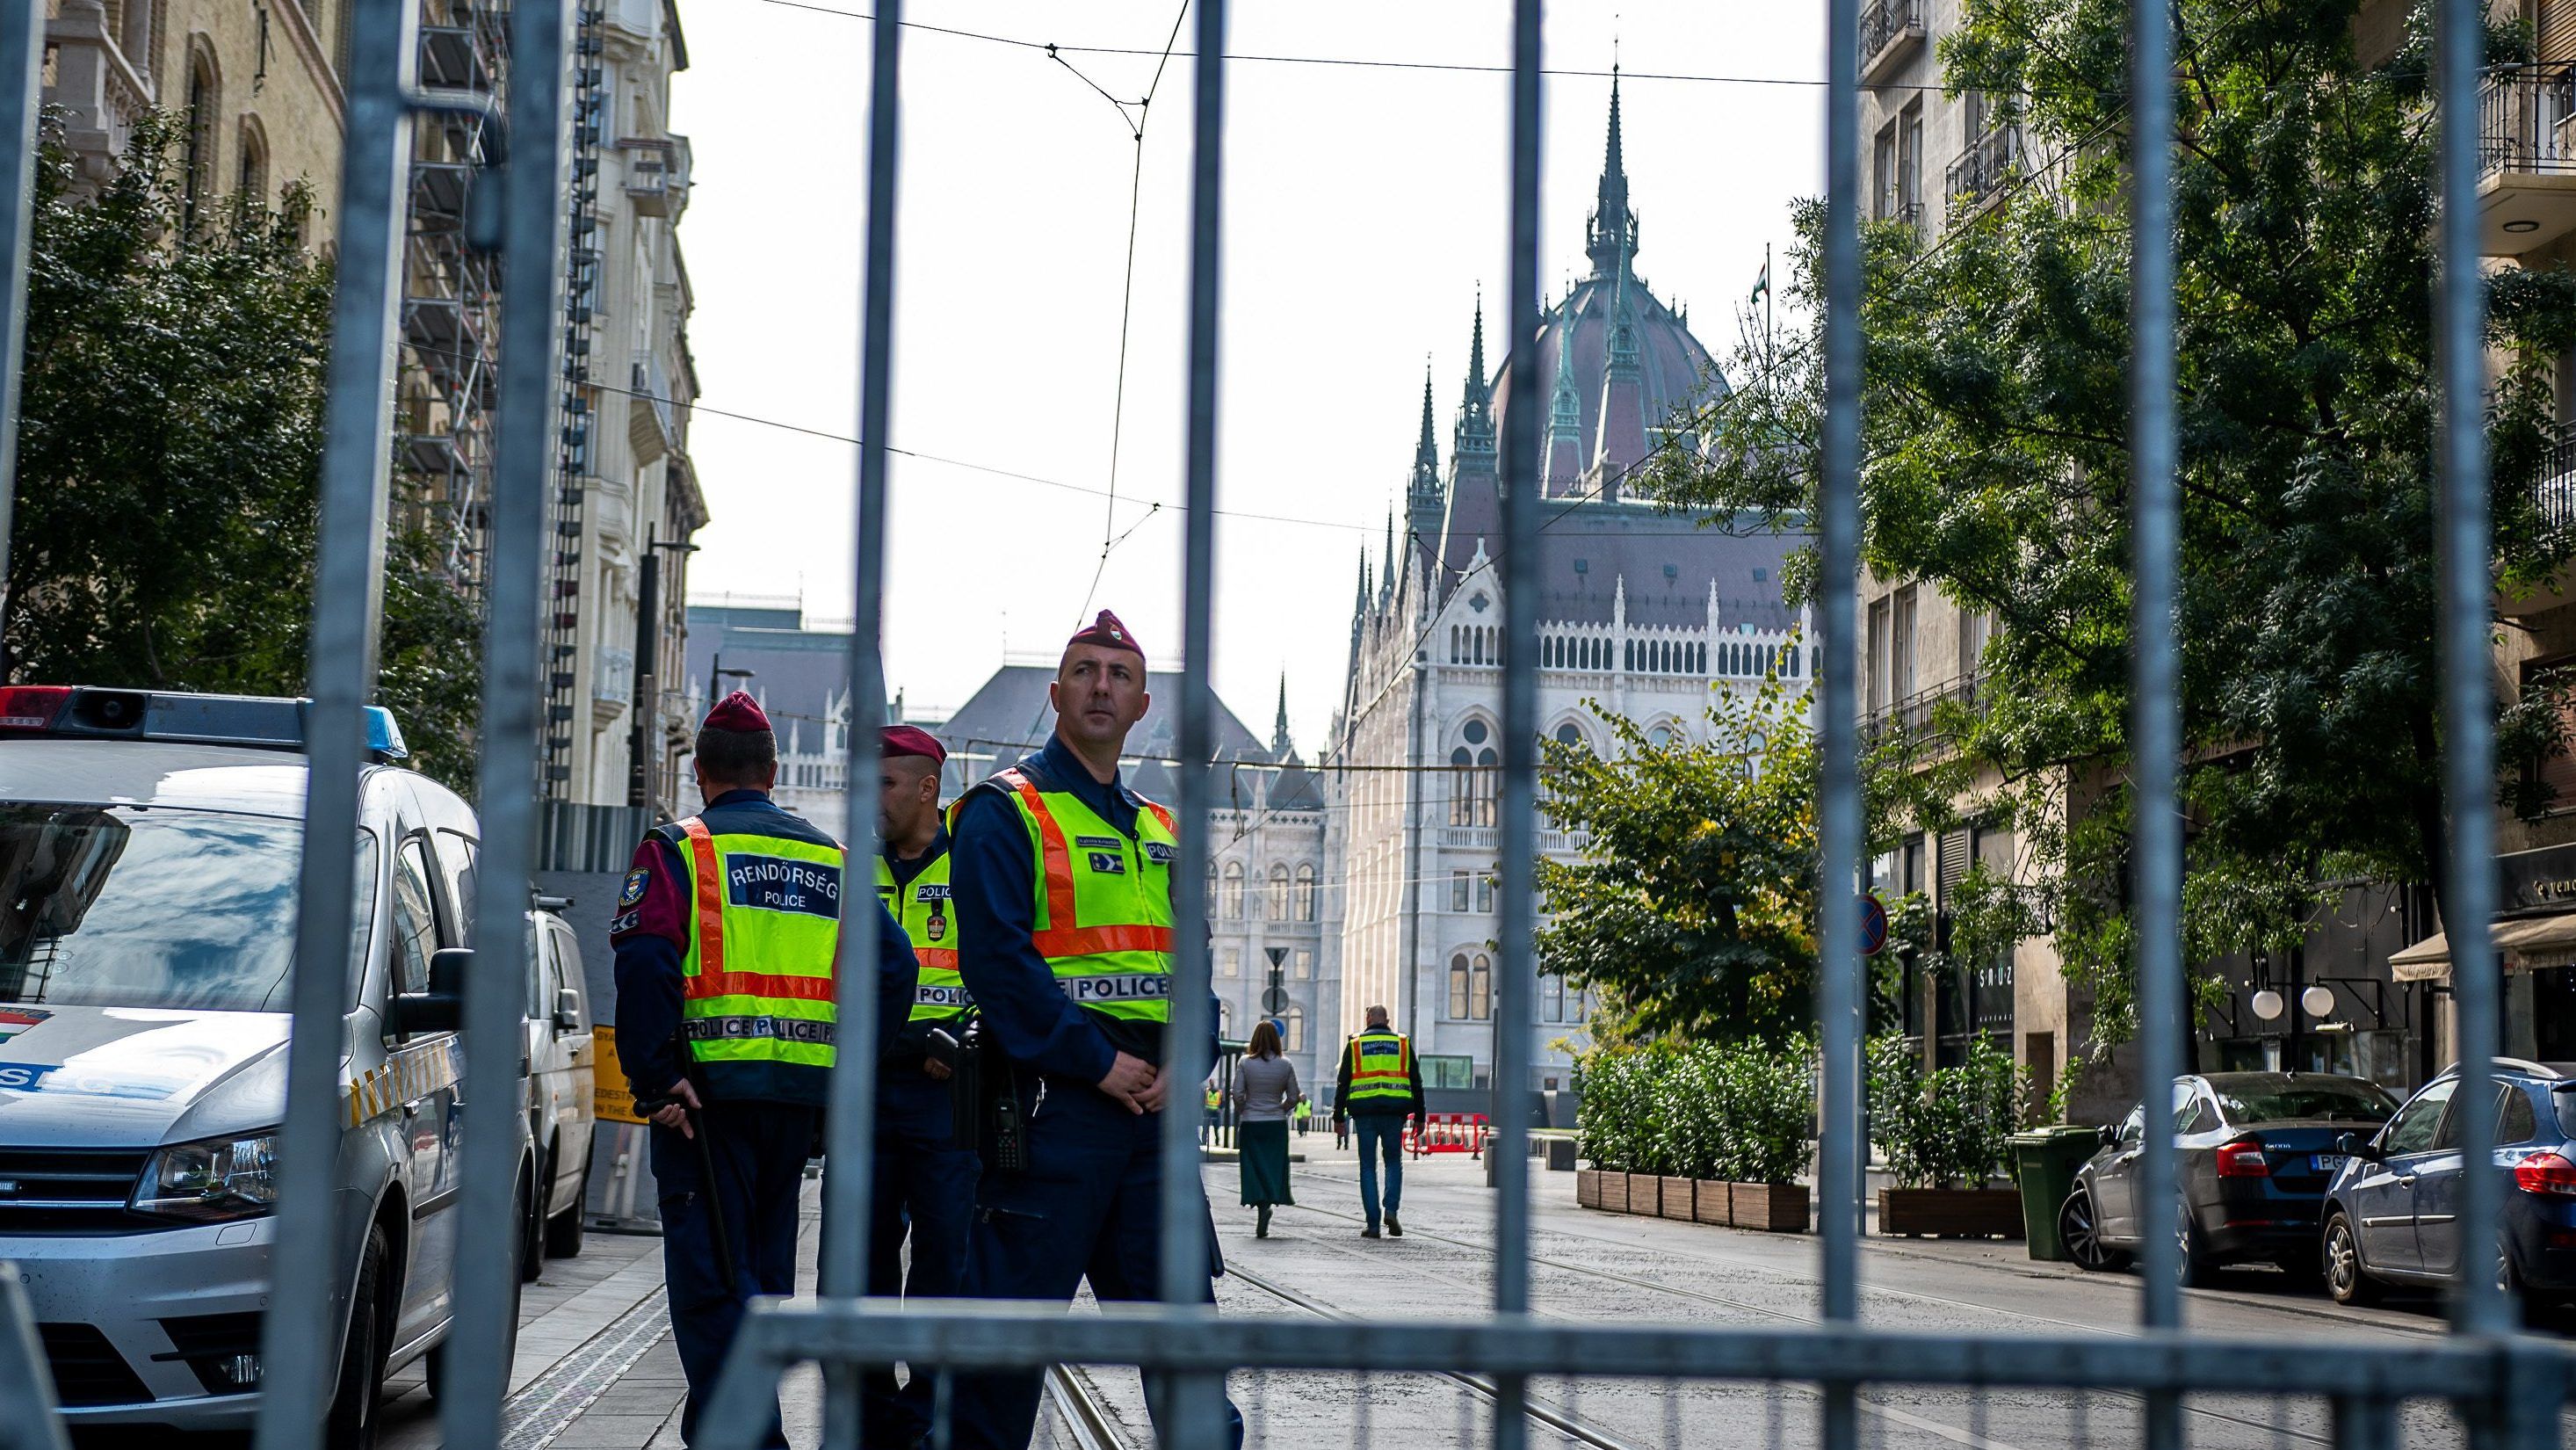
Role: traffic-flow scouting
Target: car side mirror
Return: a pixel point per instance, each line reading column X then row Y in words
column 2353, row 1145
column 442, row 1007
column 567, row 1009
column 2110, row 1135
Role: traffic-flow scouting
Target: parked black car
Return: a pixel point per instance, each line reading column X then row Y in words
column 2392, row 1213
column 2257, row 1150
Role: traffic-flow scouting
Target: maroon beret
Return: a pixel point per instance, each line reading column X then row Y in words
column 736, row 711
column 1108, row 633
column 909, row 740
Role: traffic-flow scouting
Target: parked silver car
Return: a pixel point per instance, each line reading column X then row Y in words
column 149, row 851
column 560, row 1053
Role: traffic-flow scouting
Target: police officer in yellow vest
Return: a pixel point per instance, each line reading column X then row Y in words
column 726, row 935
column 924, row 1182
column 1063, row 883
column 1380, row 1086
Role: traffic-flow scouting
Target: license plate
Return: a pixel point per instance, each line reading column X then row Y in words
column 2328, row 1162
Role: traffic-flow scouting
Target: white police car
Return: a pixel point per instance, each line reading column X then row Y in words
column 149, row 850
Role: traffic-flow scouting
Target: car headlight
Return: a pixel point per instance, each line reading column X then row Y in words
column 211, row 1180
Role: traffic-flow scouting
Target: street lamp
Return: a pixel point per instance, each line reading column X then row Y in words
column 2318, row 1000
column 2267, row 1004
column 717, row 674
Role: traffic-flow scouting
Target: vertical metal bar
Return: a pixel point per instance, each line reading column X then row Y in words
column 2155, row 729
column 26, row 1384
column 532, row 182
column 22, row 50
column 2468, row 699
column 1519, row 837
column 2365, row 1424
column 1195, row 1417
column 1839, row 818
column 308, row 1294
column 851, row 1127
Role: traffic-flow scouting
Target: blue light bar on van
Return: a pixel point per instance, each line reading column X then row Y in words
column 261, row 721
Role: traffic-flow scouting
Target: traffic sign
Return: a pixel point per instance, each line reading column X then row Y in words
column 1274, row 1000
column 1873, row 925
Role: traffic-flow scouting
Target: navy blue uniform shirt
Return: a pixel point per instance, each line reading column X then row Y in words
column 992, row 882
column 651, row 935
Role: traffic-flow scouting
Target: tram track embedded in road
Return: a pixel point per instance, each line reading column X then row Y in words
column 1090, row 1424
column 1767, row 1311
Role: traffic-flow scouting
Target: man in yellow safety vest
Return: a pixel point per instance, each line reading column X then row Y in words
column 1380, row 1087
column 726, row 934
column 1063, row 883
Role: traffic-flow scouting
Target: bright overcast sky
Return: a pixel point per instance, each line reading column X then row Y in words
column 1364, row 205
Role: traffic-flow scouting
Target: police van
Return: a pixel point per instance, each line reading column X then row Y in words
column 149, row 860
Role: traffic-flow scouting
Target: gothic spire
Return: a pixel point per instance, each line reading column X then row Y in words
column 1475, row 433
column 1612, row 235
column 1387, row 579
column 1279, row 731
column 1562, row 447
column 1619, row 436
column 1426, row 454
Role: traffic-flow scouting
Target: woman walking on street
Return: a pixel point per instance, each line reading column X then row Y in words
column 1265, row 1093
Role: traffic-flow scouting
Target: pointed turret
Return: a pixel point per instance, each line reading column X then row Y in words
column 1619, row 439
column 1387, row 580
column 1563, row 444
column 1611, row 236
column 1279, row 745
column 1424, row 499
column 1475, row 432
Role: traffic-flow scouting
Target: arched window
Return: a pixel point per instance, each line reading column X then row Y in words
column 1234, row 891
column 1462, row 787
column 1660, row 736
column 1569, row 733
column 1224, row 1018
column 1295, row 1032
column 1276, row 898
column 197, row 180
column 252, row 179
column 1211, row 889
column 1306, row 892
column 1489, row 785
column 1459, row 973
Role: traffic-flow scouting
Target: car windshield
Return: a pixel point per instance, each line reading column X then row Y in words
column 2281, row 1100
column 132, row 906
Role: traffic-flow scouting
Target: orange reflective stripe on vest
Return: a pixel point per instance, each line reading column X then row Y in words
column 709, row 879
column 1063, row 936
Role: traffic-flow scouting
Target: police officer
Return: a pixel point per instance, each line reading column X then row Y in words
column 725, row 935
column 1064, row 884
column 1380, row 1087
column 923, row 1180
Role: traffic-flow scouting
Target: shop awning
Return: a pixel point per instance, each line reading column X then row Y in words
column 2528, row 944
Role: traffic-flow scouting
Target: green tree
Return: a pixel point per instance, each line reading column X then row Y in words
column 170, row 448
column 1995, row 468
column 1692, row 909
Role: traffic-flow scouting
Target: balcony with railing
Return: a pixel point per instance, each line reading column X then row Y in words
column 1891, row 34
column 2526, row 157
column 1914, row 716
column 657, row 174
column 1977, row 179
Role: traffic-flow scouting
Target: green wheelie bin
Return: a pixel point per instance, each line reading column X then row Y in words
column 2045, row 1160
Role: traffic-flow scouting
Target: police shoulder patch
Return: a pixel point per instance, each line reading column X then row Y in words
column 633, row 892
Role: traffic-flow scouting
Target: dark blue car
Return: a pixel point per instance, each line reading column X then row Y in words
column 2392, row 1213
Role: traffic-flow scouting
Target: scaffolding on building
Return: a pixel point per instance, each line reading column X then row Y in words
column 451, row 296
column 580, row 405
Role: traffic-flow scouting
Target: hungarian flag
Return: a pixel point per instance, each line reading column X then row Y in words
column 1762, row 284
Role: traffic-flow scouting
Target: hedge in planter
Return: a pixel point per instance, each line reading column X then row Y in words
column 1946, row 1134
column 1692, row 1133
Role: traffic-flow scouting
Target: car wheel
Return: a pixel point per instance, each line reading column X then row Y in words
column 532, row 1231
column 351, row 1423
column 2194, row 1266
column 2082, row 1235
column 563, row 1232
column 2347, row 1282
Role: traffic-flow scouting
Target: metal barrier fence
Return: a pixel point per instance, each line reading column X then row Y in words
column 2506, row 1389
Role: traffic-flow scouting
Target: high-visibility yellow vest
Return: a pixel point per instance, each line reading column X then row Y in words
column 1381, row 1068
column 921, row 908
column 1103, row 901
column 767, row 912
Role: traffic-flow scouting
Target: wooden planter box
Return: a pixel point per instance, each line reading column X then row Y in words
column 1950, row 1213
column 1587, row 1188
column 1680, row 1194
column 1774, row 1207
column 1709, row 1201
column 1614, row 1191
column 1645, row 1194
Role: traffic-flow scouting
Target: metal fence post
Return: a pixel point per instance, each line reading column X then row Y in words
column 26, row 1385
column 850, row 1125
column 1839, row 826
column 300, row 1345
column 2468, row 696
column 1194, row 1412
column 22, row 51
column 1518, row 989
column 532, row 180
column 2155, row 729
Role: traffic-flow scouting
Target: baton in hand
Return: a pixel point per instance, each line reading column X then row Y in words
column 697, row 1135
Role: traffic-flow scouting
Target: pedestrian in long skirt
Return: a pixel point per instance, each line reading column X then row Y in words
column 1265, row 1094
